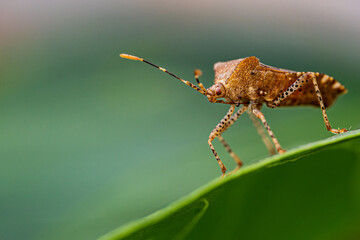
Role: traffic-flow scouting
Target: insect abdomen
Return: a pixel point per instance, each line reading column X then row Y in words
column 329, row 89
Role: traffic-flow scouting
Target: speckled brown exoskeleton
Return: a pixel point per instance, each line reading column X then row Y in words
column 248, row 82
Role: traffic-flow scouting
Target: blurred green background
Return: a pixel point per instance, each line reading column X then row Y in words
column 90, row 141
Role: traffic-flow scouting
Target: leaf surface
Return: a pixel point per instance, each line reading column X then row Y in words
column 311, row 192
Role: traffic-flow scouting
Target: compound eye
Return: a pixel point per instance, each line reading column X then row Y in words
column 218, row 91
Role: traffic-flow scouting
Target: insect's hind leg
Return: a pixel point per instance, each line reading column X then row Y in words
column 321, row 103
column 300, row 82
column 262, row 133
column 255, row 109
column 217, row 131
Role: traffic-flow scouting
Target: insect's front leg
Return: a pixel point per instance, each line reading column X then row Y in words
column 230, row 151
column 225, row 144
column 217, row 131
column 299, row 83
column 256, row 111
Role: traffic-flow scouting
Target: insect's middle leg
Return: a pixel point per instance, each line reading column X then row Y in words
column 217, row 131
column 255, row 109
column 301, row 81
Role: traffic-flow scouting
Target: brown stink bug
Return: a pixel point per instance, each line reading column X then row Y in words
column 248, row 82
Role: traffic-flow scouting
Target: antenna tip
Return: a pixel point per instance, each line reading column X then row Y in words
column 127, row 56
column 197, row 73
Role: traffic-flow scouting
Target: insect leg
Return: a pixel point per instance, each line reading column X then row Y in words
column 218, row 130
column 225, row 144
column 301, row 81
column 127, row 56
column 262, row 133
column 321, row 103
column 232, row 154
column 260, row 115
column 236, row 116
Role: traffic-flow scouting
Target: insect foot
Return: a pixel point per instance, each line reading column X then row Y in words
column 338, row 131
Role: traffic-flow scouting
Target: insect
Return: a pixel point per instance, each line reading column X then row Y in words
column 250, row 83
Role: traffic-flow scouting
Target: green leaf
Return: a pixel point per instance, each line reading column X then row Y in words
column 311, row 192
